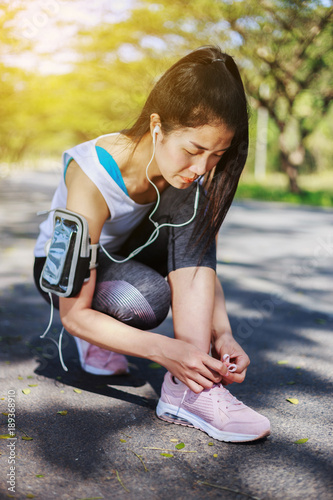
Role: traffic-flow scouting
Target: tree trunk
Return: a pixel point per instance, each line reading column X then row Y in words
column 290, row 159
column 291, row 171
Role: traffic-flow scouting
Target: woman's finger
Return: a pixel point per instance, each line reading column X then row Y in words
column 234, row 377
column 200, row 382
column 210, row 374
column 194, row 386
column 215, row 365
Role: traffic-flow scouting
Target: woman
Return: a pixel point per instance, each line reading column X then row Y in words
column 188, row 148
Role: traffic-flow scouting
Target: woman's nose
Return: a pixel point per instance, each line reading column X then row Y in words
column 199, row 167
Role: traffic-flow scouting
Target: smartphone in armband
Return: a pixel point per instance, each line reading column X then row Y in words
column 70, row 255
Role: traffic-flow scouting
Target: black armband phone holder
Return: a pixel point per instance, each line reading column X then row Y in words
column 70, row 256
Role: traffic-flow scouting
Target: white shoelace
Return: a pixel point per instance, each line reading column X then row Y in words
column 220, row 390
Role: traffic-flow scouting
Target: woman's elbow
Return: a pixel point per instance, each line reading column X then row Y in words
column 70, row 315
column 69, row 323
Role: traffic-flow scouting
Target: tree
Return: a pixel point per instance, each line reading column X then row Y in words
column 289, row 45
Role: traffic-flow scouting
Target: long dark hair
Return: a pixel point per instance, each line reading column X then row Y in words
column 204, row 87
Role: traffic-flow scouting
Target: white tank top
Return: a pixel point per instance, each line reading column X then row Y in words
column 126, row 214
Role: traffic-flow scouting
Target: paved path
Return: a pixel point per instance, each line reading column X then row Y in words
column 275, row 262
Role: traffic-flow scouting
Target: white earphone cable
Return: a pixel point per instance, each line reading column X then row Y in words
column 151, row 182
column 58, row 344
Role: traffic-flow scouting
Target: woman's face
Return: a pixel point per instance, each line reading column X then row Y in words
column 183, row 155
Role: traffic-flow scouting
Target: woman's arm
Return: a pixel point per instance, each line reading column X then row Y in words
column 188, row 363
column 223, row 341
column 192, row 298
column 200, row 316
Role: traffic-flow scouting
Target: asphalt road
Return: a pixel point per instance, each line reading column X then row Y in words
column 275, row 263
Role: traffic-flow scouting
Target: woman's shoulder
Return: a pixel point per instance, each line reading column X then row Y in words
column 117, row 145
column 83, row 190
column 111, row 142
column 75, row 173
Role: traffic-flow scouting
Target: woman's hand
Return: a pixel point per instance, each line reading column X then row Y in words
column 226, row 344
column 191, row 366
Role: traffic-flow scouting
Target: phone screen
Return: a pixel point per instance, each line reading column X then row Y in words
column 62, row 244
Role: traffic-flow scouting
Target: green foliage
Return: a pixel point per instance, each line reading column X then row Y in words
column 13, row 87
column 311, row 193
column 285, row 51
column 283, row 47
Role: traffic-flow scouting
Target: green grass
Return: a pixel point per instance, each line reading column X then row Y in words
column 316, row 190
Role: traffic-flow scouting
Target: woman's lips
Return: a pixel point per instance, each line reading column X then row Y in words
column 188, row 180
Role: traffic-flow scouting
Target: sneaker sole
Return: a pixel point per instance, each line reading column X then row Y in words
column 173, row 414
column 99, row 371
column 92, row 369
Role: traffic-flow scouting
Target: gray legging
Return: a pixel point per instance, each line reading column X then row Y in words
column 136, row 292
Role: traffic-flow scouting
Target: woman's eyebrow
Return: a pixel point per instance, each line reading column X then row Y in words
column 205, row 149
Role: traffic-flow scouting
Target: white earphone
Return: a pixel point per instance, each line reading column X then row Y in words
column 156, row 130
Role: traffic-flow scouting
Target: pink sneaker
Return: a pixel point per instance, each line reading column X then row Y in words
column 214, row 411
column 99, row 361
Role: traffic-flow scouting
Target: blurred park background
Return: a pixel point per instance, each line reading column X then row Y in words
column 72, row 70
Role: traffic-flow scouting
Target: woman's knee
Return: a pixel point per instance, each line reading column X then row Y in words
column 145, row 306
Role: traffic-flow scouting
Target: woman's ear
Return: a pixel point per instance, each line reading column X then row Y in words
column 155, row 125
